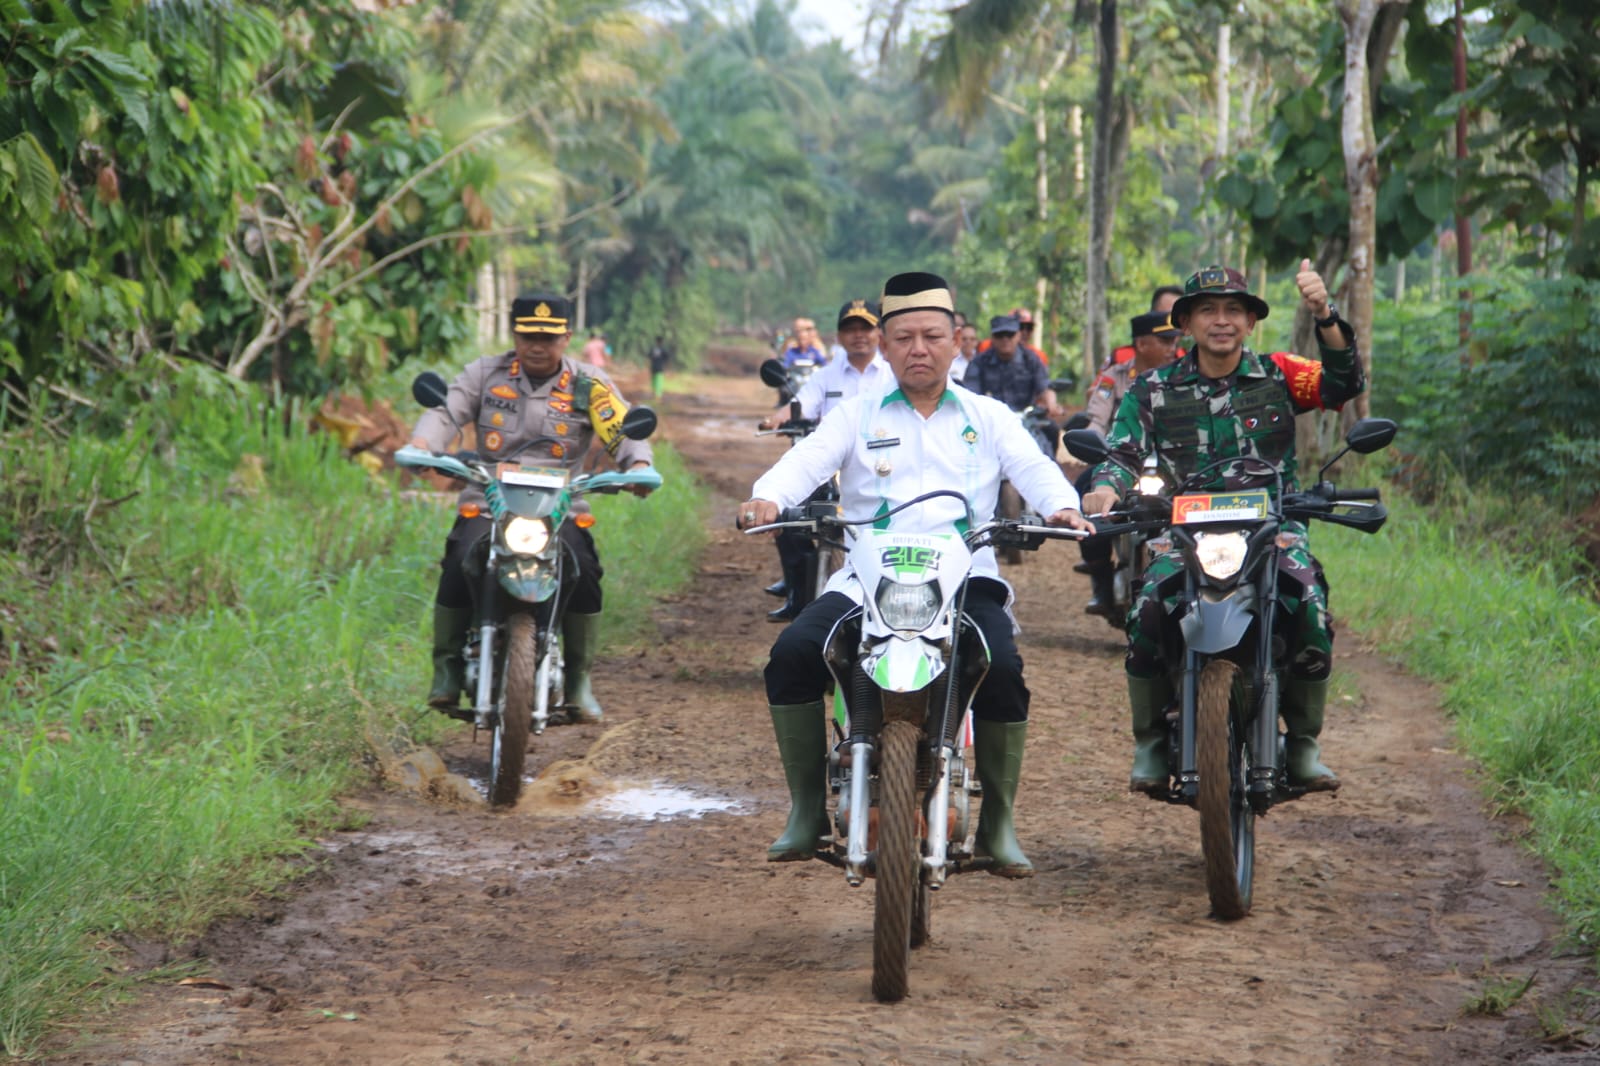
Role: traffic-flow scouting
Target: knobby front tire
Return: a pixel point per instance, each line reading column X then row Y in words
column 1227, row 821
column 898, row 857
column 509, row 745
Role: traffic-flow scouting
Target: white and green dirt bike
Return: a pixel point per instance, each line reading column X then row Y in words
column 907, row 662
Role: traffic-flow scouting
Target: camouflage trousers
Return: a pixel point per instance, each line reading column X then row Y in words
column 1302, row 599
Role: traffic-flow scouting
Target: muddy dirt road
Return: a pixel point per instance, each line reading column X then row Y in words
column 577, row 930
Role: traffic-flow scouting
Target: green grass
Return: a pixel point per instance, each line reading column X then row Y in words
column 191, row 677
column 1511, row 640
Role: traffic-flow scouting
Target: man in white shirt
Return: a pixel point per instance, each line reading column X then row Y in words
column 966, row 351
column 925, row 434
column 861, row 370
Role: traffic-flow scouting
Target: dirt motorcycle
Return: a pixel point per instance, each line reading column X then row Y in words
column 1130, row 552
column 789, row 376
column 1229, row 649
column 826, row 553
column 908, row 661
column 1036, row 420
column 521, row 578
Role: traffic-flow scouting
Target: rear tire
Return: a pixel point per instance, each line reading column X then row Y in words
column 897, row 861
column 1227, row 821
column 509, row 742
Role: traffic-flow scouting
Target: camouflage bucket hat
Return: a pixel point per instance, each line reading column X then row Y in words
column 1217, row 280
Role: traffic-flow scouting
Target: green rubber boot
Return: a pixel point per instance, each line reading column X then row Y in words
column 802, row 734
column 580, row 642
column 450, row 626
column 998, row 752
column 1149, row 697
column 1302, row 710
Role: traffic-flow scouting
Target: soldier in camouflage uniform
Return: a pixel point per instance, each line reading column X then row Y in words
column 1155, row 342
column 1221, row 399
column 533, row 391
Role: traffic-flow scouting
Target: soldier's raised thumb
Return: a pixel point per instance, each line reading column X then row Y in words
column 1305, row 266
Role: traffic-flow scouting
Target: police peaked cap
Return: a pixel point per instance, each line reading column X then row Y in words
column 541, row 312
column 1153, row 323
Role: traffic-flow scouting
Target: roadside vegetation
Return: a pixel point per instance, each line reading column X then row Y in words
column 1510, row 640
column 209, row 621
column 1479, row 581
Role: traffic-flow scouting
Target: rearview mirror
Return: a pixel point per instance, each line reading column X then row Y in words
column 429, row 389
column 638, row 423
column 1086, row 445
column 1061, row 384
column 773, row 374
column 1371, row 434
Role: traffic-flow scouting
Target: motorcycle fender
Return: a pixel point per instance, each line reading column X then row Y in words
column 899, row 665
column 1211, row 627
column 527, row 581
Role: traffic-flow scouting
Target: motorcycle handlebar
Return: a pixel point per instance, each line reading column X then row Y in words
column 1356, row 494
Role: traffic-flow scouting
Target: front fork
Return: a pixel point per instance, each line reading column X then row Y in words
column 1263, row 726
column 936, row 858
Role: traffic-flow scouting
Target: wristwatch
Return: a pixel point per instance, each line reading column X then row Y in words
column 1333, row 316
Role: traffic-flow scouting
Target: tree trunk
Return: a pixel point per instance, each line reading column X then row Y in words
column 1043, row 321
column 1361, row 181
column 1100, row 205
column 1463, row 223
column 1220, row 152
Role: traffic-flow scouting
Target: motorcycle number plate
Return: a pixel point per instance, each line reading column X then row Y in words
column 1220, row 507
column 536, row 477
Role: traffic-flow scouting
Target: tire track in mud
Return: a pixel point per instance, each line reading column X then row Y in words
column 556, row 934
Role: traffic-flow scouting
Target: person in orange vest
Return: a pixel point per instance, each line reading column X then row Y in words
column 1160, row 300
column 1025, row 324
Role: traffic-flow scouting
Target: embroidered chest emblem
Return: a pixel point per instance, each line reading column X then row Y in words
column 505, row 392
column 884, row 467
column 492, row 440
column 497, row 419
column 969, row 435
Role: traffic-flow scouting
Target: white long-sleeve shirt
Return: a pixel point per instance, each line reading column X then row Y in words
column 886, row 453
column 839, row 381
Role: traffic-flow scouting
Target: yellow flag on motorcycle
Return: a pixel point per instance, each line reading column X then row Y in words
column 605, row 415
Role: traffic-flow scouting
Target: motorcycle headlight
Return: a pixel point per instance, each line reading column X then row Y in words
column 912, row 607
column 1220, row 554
column 1151, row 485
column 527, row 536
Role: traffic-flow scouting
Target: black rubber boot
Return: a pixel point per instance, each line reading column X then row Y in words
column 1102, row 594
column 779, row 588
column 794, row 580
column 1149, row 697
column 580, row 642
column 802, row 734
column 450, row 626
column 997, row 749
column 1303, row 705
